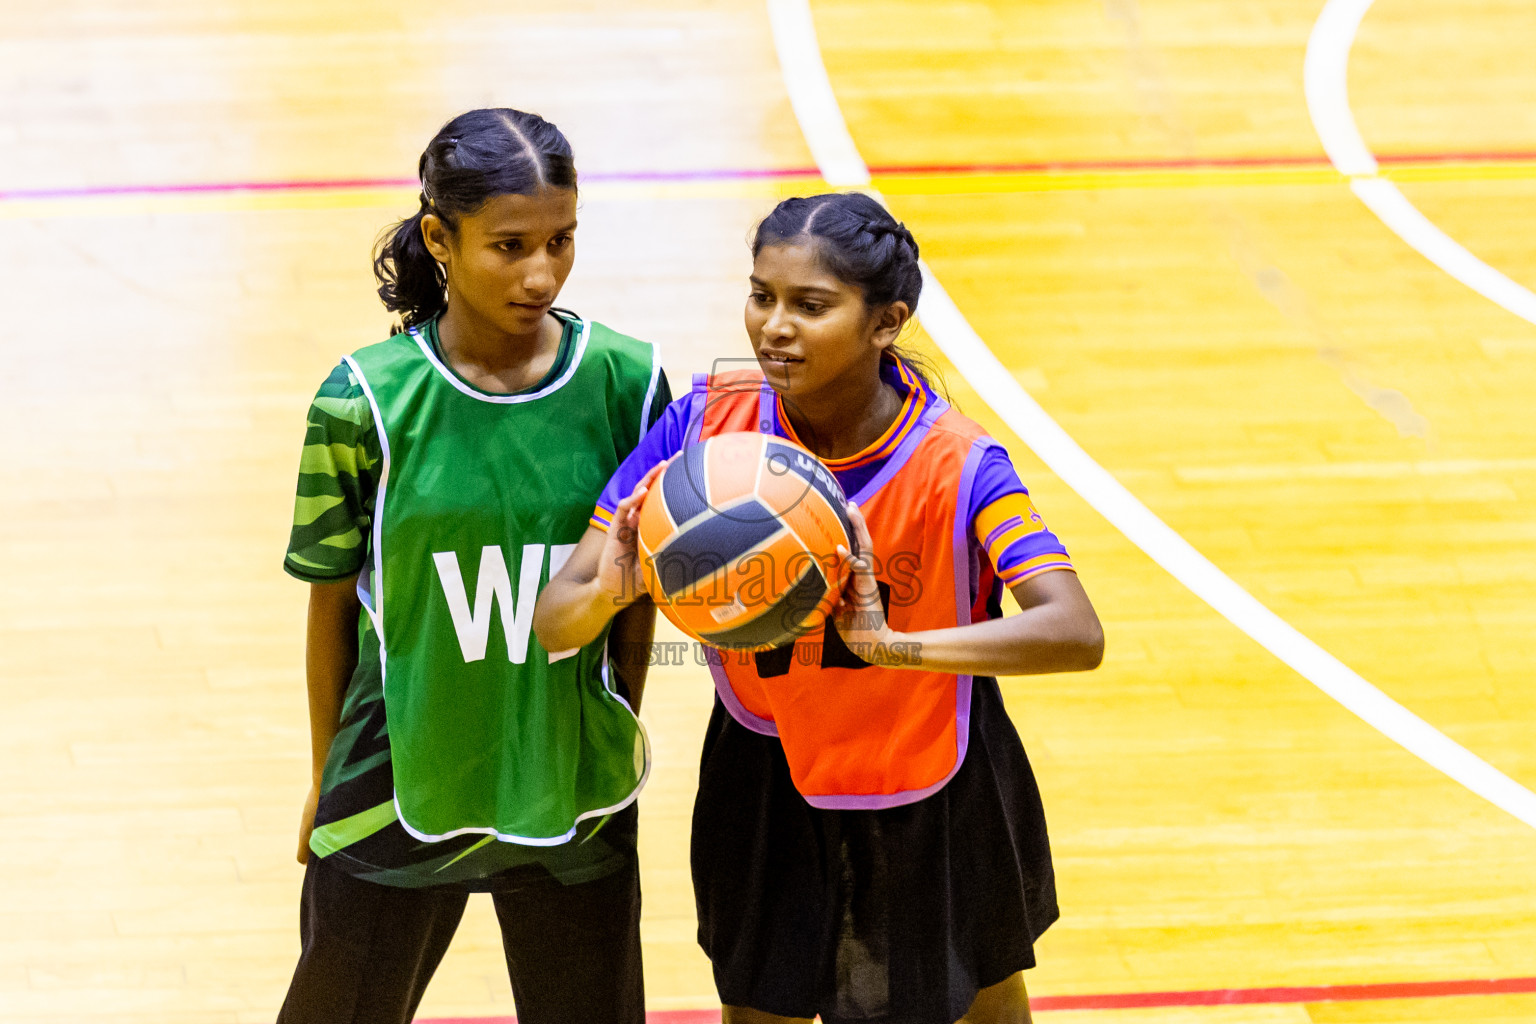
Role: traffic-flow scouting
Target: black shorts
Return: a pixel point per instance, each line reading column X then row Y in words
column 369, row 950
column 896, row 916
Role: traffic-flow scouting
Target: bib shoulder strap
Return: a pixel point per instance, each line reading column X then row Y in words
column 952, row 422
column 633, row 357
column 726, row 403
column 386, row 370
column 633, row 372
column 391, row 354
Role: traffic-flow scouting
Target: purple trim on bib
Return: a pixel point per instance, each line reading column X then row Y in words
column 700, row 398
column 904, row 451
column 965, row 569
column 728, row 696
column 732, row 703
column 767, row 410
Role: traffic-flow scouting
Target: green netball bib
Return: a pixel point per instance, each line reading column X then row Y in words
column 482, row 498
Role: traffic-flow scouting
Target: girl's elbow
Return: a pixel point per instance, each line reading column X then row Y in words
column 1083, row 648
column 1091, row 652
column 1090, row 647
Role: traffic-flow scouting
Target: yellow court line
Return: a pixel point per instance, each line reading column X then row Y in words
column 1400, row 470
column 1510, row 170
column 937, row 183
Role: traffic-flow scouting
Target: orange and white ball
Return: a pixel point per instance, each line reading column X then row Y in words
column 739, row 538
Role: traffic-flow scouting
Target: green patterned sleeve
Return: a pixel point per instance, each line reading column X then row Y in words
column 338, row 478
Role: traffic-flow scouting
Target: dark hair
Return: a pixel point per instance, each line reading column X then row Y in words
column 861, row 244
column 475, row 157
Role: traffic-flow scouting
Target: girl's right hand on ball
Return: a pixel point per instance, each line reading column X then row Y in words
column 619, row 571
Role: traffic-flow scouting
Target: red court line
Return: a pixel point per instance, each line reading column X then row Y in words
column 1289, row 994
column 1145, row 1000
column 750, row 173
column 336, row 184
column 88, row 191
column 1200, row 163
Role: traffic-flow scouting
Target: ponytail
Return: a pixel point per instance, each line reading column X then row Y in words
column 411, row 281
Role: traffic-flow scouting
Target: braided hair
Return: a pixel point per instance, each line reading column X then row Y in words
column 473, row 158
column 859, row 241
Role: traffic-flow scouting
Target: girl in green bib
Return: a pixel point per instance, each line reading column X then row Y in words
column 447, row 474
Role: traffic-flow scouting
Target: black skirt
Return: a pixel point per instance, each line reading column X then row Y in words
column 896, row 916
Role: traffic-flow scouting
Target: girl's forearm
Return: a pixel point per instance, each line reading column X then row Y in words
column 1037, row 640
column 330, row 658
column 571, row 614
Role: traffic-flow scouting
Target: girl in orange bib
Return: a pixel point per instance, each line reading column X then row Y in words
column 868, row 840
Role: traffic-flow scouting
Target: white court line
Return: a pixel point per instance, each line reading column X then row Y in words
column 810, row 91
column 1326, row 74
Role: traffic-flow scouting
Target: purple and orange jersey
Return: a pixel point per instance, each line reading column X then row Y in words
column 1004, row 521
column 951, row 526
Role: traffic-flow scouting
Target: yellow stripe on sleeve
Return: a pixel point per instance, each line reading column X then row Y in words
column 1004, row 540
column 996, row 515
column 1034, row 567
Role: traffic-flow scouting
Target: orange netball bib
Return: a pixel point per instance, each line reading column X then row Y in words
column 856, row 735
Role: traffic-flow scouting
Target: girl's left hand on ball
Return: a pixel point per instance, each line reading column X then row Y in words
column 860, row 617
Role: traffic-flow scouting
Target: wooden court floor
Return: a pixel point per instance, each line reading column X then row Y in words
column 1127, row 200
